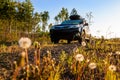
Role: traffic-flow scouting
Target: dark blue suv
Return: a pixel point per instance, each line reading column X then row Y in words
column 70, row 30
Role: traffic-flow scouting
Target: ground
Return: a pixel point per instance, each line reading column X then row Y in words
column 9, row 54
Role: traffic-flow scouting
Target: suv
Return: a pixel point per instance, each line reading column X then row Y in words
column 73, row 29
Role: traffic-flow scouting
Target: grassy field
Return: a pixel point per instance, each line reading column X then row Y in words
column 98, row 60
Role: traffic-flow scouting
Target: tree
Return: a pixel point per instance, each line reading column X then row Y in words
column 15, row 16
column 50, row 25
column 28, row 13
column 44, row 19
column 62, row 15
column 35, row 21
column 74, row 12
column 56, row 20
column 7, row 12
column 89, row 17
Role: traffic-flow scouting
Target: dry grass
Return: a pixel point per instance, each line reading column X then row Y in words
column 58, row 62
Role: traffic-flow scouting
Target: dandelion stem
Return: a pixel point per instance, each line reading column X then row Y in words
column 26, row 55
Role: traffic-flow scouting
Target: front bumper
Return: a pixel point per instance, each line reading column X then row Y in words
column 64, row 33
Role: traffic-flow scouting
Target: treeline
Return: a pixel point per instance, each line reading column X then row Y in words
column 19, row 19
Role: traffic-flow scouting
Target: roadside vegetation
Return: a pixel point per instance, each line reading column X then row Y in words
column 97, row 60
column 18, row 19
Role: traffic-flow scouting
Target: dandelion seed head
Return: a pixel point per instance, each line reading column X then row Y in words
column 54, row 59
column 77, row 50
column 117, row 52
column 112, row 68
column 92, row 65
column 15, row 62
column 36, row 67
column 48, row 52
column 79, row 57
column 87, row 60
column 24, row 42
column 28, row 66
column 110, row 54
column 83, row 43
column 24, row 68
column 105, row 62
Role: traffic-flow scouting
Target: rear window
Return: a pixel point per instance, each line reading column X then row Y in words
column 72, row 22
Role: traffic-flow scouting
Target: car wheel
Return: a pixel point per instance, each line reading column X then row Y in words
column 80, row 40
column 68, row 41
column 52, row 40
column 56, row 41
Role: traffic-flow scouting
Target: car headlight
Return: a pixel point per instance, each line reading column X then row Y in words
column 72, row 26
column 75, row 26
column 53, row 27
column 81, row 25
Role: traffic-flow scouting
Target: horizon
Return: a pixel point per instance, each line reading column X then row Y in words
column 105, row 13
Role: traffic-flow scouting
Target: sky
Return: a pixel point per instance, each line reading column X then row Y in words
column 106, row 13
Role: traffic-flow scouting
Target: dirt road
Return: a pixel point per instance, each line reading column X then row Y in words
column 12, row 54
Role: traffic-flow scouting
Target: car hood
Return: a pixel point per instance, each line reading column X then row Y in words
column 64, row 26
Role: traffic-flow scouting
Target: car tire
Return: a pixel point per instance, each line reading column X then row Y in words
column 52, row 40
column 80, row 40
column 55, row 41
column 68, row 41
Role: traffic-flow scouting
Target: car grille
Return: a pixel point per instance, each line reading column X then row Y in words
column 64, row 32
column 65, row 27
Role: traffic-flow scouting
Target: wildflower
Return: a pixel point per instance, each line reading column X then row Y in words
column 112, row 68
column 83, row 43
column 110, row 54
column 52, row 62
column 27, row 67
column 24, row 42
column 36, row 67
column 77, row 50
column 15, row 62
column 105, row 62
column 87, row 60
column 54, row 59
column 92, row 65
column 37, row 70
column 31, row 66
column 36, row 44
column 79, row 57
column 48, row 52
column 117, row 52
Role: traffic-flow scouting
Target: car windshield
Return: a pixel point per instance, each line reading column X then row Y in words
column 72, row 22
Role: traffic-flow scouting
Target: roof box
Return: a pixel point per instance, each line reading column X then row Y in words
column 74, row 17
